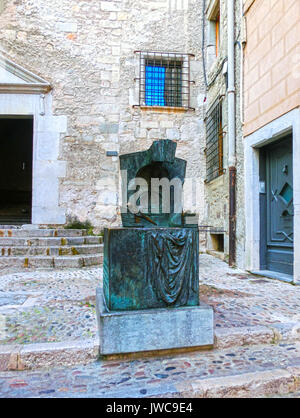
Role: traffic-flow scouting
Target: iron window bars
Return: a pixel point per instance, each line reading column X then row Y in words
column 214, row 141
column 164, row 79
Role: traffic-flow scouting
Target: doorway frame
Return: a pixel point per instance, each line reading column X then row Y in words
column 264, row 197
column 47, row 169
column 16, row 118
column 268, row 134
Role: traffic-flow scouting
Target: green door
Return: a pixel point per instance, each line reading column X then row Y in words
column 280, row 210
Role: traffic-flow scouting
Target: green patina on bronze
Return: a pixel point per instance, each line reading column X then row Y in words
column 152, row 262
column 159, row 162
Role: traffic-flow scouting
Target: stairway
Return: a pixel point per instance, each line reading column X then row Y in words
column 49, row 248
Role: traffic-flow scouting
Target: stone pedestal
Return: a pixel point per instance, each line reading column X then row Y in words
column 150, row 296
column 153, row 329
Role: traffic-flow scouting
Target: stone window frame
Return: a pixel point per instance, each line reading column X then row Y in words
column 2, row 5
column 214, row 141
column 213, row 16
column 185, row 83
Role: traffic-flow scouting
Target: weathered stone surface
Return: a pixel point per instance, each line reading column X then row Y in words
column 241, row 386
column 45, row 248
column 287, row 331
column 135, row 379
column 68, row 262
column 159, row 329
column 8, row 357
column 32, row 356
column 93, row 70
column 11, row 298
column 216, row 191
column 50, row 355
column 240, row 336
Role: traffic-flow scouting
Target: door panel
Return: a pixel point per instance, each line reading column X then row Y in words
column 280, row 209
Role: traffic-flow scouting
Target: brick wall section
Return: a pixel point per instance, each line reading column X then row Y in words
column 272, row 61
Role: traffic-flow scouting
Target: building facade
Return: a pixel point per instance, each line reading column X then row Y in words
column 224, row 204
column 75, row 77
column 84, row 82
column 272, row 137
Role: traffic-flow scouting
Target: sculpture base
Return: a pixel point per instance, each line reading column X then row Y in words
column 153, row 329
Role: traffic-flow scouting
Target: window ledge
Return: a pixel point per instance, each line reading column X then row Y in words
column 217, row 181
column 211, row 9
column 165, row 109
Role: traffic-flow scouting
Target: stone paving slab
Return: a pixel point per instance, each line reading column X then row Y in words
column 11, row 298
column 252, row 371
column 240, row 336
column 33, row 356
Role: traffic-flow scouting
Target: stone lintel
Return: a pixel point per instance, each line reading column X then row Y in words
column 24, row 88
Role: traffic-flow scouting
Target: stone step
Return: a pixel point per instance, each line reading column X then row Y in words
column 39, row 233
column 78, row 261
column 49, row 241
column 9, row 227
column 91, row 239
column 51, row 251
column 75, row 261
column 204, row 376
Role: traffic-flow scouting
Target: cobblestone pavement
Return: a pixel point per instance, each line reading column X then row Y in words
column 293, row 395
column 48, row 306
column 44, row 306
column 52, row 306
column 242, row 299
column 146, row 377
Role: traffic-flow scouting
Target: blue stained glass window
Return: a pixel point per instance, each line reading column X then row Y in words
column 155, row 86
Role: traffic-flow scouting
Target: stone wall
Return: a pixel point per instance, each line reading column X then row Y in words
column 86, row 51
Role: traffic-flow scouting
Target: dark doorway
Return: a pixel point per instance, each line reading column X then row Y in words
column 217, row 241
column 277, row 209
column 16, row 142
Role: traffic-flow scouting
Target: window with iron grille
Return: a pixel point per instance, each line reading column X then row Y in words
column 164, row 79
column 214, row 142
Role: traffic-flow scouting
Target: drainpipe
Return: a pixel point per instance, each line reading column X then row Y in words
column 242, row 46
column 231, row 134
